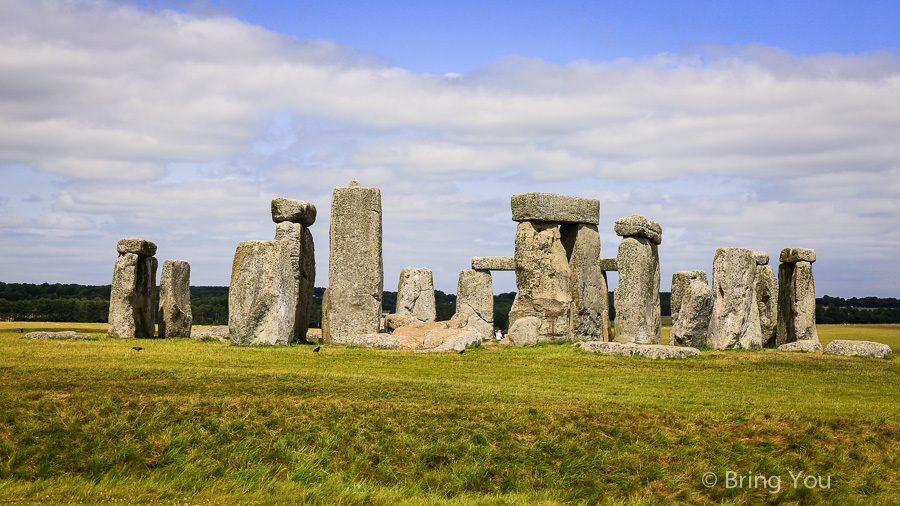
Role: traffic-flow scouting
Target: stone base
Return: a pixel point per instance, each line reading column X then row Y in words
column 805, row 346
column 652, row 351
column 858, row 348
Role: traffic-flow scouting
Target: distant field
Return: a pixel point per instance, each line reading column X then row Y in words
column 184, row 421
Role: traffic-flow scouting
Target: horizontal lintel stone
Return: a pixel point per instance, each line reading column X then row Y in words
column 553, row 208
column 494, row 263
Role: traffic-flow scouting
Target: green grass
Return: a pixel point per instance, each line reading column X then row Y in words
column 184, row 421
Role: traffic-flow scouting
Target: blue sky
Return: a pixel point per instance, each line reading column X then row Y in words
column 756, row 124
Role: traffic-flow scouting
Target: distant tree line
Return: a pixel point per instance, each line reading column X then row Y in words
column 209, row 305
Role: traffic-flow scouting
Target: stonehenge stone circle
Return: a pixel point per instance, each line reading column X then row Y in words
column 691, row 304
column 766, row 298
column 735, row 318
column 651, row 351
column 175, row 299
column 262, row 297
column 796, row 297
column 590, row 305
column 475, row 302
column 541, row 310
column 415, row 295
column 132, row 300
column 553, row 208
column 637, row 296
column 293, row 211
column 857, row 348
column 352, row 303
column 494, row 263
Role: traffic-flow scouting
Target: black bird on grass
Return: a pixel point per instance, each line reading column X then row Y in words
column 137, row 348
column 21, row 331
column 462, row 351
column 316, row 349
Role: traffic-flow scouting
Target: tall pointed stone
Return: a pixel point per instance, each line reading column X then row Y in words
column 735, row 319
column 175, row 299
column 352, row 306
column 590, row 305
column 637, row 303
column 796, row 297
column 132, row 301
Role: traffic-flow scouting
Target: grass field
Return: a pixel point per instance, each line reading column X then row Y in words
column 190, row 422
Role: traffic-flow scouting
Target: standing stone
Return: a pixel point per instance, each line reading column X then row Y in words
column 691, row 328
column 303, row 265
column 541, row 311
column 796, row 297
column 637, row 296
column 735, row 319
column 415, row 295
column 590, row 306
column 766, row 298
column 132, row 301
column 175, row 299
column 352, row 306
column 680, row 282
column 262, row 297
column 475, row 302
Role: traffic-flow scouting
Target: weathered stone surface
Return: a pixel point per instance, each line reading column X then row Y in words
column 132, row 300
column 639, row 226
column 651, row 351
column 352, row 306
column 794, row 255
column 494, row 263
column 806, row 346
column 796, row 303
column 590, row 304
column 544, row 286
column 767, row 302
column 175, row 299
column 295, row 211
column 415, row 294
column 858, row 348
column 303, row 264
column 395, row 321
column 450, row 339
column 680, row 282
column 70, row 335
column 475, row 302
column 761, row 257
column 608, row 264
column 735, row 319
column 691, row 328
column 219, row 332
column 378, row 340
column 140, row 247
column 262, row 297
column 554, row 208
column 637, row 296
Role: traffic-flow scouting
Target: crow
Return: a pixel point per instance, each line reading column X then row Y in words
column 137, row 348
column 316, row 349
column 462, row 351
column 21, row 331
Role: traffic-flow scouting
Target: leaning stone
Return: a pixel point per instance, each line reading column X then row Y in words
column 219, row 332
column 651, row 351
column 475, row 302
column 608, row 264
column 352, row 306
column 295, row 211
column 735, row 318
column 554, row 208
column 61, row 335
column 132, row 299
column 637, row 296
column 858, row 348
column 761, row 257
column 691, row 328
column 262, row 297
column 415, row 294
column 680, row 282
column 767, row 303
column 802, row 346
column 494, row 263
column 140, row 247
column 794, row 255
column 175, row 299
column 544, row 285
column 639, row 226
column 589, row 292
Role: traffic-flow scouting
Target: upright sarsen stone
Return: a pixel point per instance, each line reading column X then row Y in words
column 691, row 327
column 796, row 297
column 262, row 297
column 415, row 295
column 475, row 302
column 175, row 299
column 735, row 319
column 303, row 265
column 132, row 301
column 680, row 282
column 352, row 306
column 637, row 296
column 588, row 285
column 766, row 298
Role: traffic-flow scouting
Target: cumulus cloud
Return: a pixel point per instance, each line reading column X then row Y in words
column 181, row 127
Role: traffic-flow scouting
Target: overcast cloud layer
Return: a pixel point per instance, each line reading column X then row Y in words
column 116, row 121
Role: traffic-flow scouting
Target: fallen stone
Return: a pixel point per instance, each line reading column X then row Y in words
column 262, row 296
column 450, row 339
column 802, row 346
column 219, row 332
column 651, row 351
column 494, row 263
column 589, row 291
column 691, row 328
column 415, row 294
column 637, row 296
column 639, row 226
column 794, row 255
column 553, row 208
column 858, row 348
column 175, row 299
column 61, row 335
column 475, row 302
column 132, row 299
column 352, row 304
column 767, row 303
column 140, row 247
column 608, row 264
column 735, row 318
column 761, row 257
column 395, row 321
column 294, row 211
